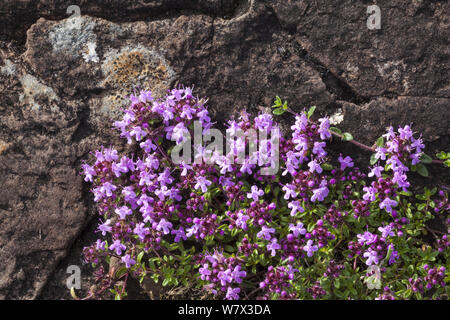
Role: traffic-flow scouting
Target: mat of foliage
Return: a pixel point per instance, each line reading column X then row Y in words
column 319, row 228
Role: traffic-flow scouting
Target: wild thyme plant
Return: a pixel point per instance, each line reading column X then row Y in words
column 318, row 228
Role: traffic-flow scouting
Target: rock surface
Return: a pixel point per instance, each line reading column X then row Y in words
column 62, row 81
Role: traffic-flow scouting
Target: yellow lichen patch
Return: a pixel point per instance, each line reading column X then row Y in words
column 4, row 146
column 130, row 69
column 133, row 67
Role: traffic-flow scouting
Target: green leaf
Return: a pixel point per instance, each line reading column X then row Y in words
column 278, row 111
column 229, row 249
column 327, row 166
column 442, row 155
column 311, row 111
column 121, row 272
column 337, row 130
column 380, row 142
column 447, row 163
column 165, row 282
column 373, row 160
column 277, row 102
column 139, row 257
column 347, row 136
column 276, row 191
column 425, row 159
column 422, row 170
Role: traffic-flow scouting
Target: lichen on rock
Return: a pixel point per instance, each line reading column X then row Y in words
column 130, row 68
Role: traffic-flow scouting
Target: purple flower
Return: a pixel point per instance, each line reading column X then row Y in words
column 255, row 193
column 263, row 121
column 202, row 183
column 174, row 194
column 386, row 231
column 117, row 246
column 108, row 188
column 318, row 149
column 319, row 194
column 105, row 227
column 273, row 246
column 347, row 162
column 417, row 144
column 180, row 133
column 241, row 221
column 301, row 143
column 372, row 257
column 224, row 277
column 138, row 133
column 164, row 226
column 390, row 134
column 300, row 123
column 297, row 229
column 179, row 234
column 380, row 153
column 376, row 171
column 129, row 194
column 265, row 233
column 401, row 180
column 314, row 166
column 89, row 172
column 394, row 255
column 323, row 128
column 162, row 193
column 164, row 178
column 405, row 133
column 122, row 166
column 146, row 96
column 392, row 146
column 123, row 212
column 110, row 154
column 290, row 192
column 148, row 146
column 310, row 248
column 185, row 167
column 237, row 274
column 187, row 112
column 366, row 238
column 232, row 294
column 247, row 166
column 128, row 261
column 295, row 207
column 370, row 194
column 141, row 231
column 100, row 245
column 193, row 230
column 387, row 204
column 152, row 162
column 204, row 272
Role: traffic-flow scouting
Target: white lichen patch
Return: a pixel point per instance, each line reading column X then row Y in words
column 90, row 55
column 71, row 36
column 337, row 117
column 34, row 89
column 9, row 68
column 391, row 70
column 351, row 71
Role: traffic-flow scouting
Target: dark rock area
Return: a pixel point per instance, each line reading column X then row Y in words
column 57, row 104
